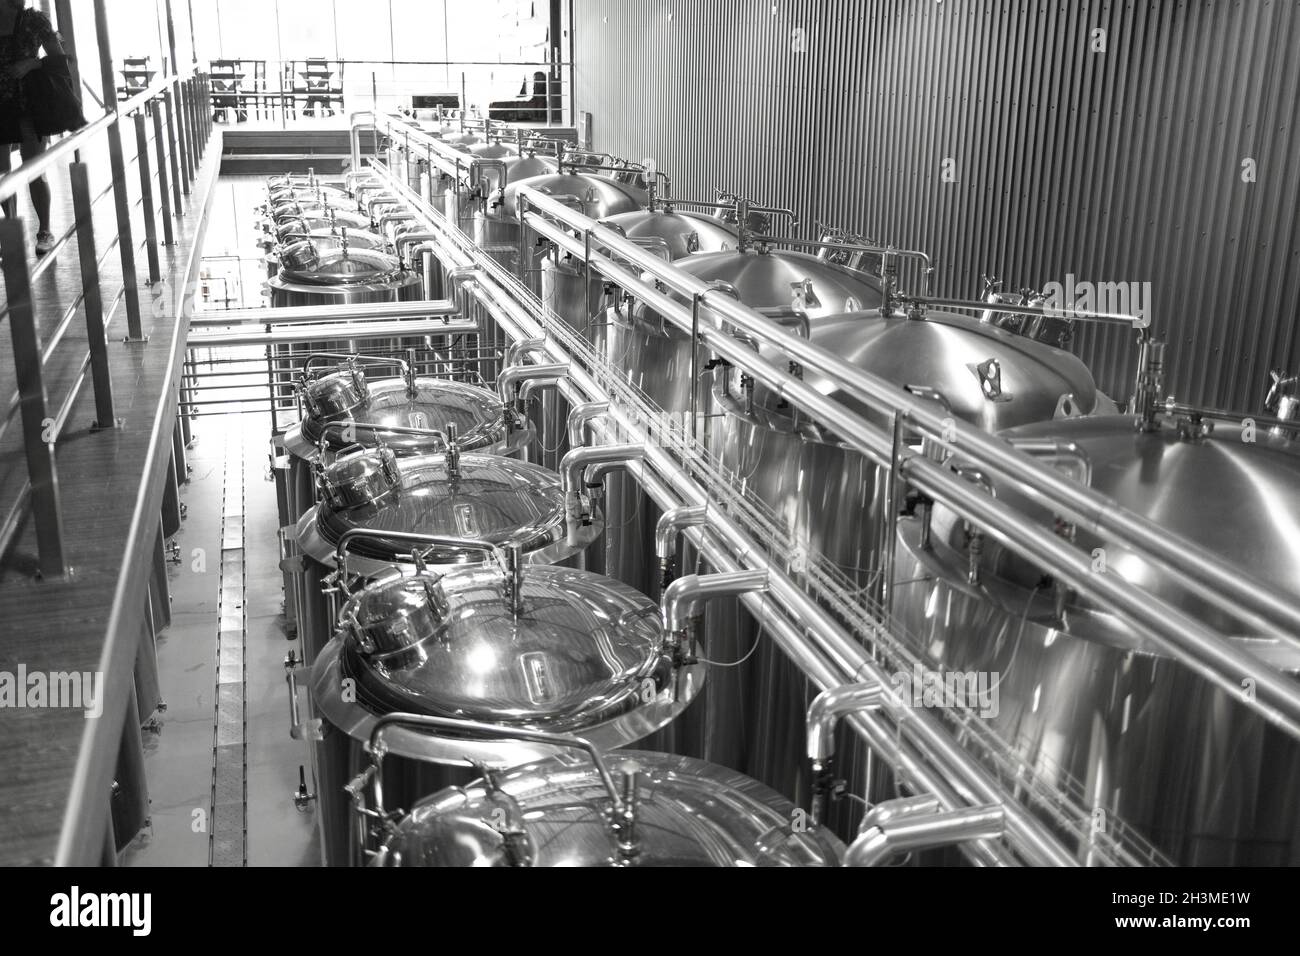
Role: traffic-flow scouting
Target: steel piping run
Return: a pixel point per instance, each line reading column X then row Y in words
column 820, row 647
column 1208, row 653
column 833, row 658
column 1091, row 510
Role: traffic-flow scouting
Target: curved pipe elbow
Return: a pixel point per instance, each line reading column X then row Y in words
column 580, row 416
column 520, row 347
column 828, row 707
column 924, row 831
column 573, row 466
column 683, row 599
column 670, row 524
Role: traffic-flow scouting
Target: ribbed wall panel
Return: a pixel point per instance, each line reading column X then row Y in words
column 1115, row 166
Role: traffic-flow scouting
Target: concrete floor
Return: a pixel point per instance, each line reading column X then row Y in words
column 221, row 766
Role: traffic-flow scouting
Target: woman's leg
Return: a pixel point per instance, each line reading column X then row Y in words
column 10, row 205
column 32, row 146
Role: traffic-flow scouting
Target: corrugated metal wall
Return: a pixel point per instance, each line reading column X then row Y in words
column 1117, row 165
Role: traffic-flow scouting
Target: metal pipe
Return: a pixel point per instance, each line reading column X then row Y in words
column 818, row 645
column 1122, row 318
column 685, row 597
column 1182, row 635
column 826, row 710
column 491, row 731
column 1260, row 608
column 888, row 810
column 920, row 831
column 330, row 313
column 667, row 529
column 492, row 551
column 510, row 379
column 516, row 350
column 309, row 332
column 573, row 467
column 579, row 415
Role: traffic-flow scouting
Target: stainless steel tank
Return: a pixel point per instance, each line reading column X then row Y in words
column 628, row 808
column 548, row 648
column 423, row 411
column 492, row 224
column 424, row 407
column 485, row 497
column 677, row 236
column 828, row 500
column 340, row 275
column 296, row 247
column 597, row 197
column 1082, row 698
column 280, row 230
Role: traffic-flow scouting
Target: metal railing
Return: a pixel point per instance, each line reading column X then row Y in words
column 833, row 628
column 278, row 90
column 171, row 126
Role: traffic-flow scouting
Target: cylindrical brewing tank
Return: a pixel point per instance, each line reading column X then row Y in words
column 280, row 230
column 485, row 497
column 677, row 236
column 1088, row 702
column 299, row 246
column 342, row 275
column 827, row 500
column 492, row 223
column 687, row 813
column 597, row 197
column 346, row 395
column 578, row 653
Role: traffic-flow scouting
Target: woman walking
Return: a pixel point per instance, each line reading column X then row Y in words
column 23, row 34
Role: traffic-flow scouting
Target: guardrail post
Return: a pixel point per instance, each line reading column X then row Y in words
column 200, row 141
column 164, row 195
column 207, row 107
column 182, row 137
column 93, row 298
column 146, row 199
column 117, row 166
column 173, row 152
column 196, row 147
column 38, row 437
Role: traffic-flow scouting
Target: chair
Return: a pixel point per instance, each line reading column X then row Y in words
column 319, row 82
column 136, row 76
column 237, row 84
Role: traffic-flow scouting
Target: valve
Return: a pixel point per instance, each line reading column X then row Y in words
column 302, row 797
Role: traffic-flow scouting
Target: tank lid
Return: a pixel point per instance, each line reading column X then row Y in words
column 483, row 497
column 682, row 232
column 1235, row 498
column 685, row 812
column 775, row 279
column 493, row 150
column 344, row 266
column 598, row 197
column 573, row 648
column 315, row 220
column 434, row 404
column 987, row 376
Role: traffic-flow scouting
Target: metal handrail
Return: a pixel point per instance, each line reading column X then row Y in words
column 1203, row 650
column 1273, row 613
column 818, row 644
column 12, row 182
column 825, row 651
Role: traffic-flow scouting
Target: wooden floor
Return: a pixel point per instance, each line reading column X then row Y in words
column 110, row 483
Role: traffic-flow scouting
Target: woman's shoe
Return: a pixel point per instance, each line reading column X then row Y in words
column 44, row 242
